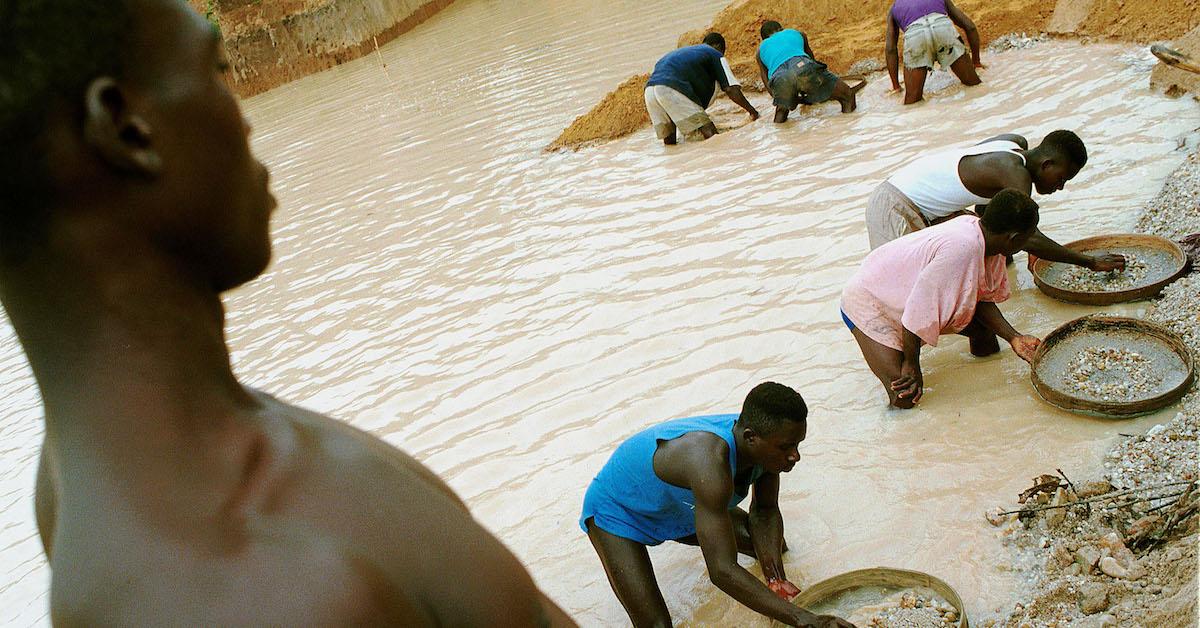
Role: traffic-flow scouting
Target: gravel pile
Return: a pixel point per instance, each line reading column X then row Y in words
column 1112, row 563
column 1175, row 213
column 1016, row 41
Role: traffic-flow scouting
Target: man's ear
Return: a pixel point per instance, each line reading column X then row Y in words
column 116, row 133
column 748, row 433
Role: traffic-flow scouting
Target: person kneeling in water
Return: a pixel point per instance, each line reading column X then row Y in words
column 794, row 76
column 682, row 481
column 935, row 281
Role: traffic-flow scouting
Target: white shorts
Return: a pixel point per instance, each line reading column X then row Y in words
column 667, row 107
column 932, row 38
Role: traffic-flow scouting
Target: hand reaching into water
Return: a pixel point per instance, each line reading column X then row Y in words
column 1025, row 347
column 829, row 621
column 910, row 384
column 1107, row 261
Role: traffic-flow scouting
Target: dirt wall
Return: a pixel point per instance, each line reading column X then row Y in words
column 271, row 42
column 844, row 32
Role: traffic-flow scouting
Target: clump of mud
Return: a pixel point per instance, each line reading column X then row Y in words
column 844, row 32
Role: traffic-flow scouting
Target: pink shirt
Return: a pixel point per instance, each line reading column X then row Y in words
column 927, row 282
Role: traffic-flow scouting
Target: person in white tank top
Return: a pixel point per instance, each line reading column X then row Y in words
column 947, row 183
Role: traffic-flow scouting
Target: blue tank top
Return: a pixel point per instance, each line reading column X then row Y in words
column 628, row 499
column 775, row 50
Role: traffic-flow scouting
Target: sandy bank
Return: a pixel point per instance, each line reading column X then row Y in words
column 843, row 33
column 271, row 42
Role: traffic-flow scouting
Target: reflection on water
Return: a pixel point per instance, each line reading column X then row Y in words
column 509, row 316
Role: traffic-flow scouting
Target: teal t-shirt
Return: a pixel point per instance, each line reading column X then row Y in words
column 775, row 50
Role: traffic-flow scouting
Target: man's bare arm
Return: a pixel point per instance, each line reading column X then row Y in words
column 766, row 526
column 990, row 315
column 735, row 94
column 713, row 487
column 890, row 52
column 911, row 384
column 1045, row 248
column 762, row 72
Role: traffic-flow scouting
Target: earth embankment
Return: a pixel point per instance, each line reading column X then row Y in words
column 271, row 42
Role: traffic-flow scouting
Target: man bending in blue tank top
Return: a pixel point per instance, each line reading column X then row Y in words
column 794, row 76
column 682, row 481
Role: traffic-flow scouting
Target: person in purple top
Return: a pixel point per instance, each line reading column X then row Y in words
column 682, row 86
column 929, row 36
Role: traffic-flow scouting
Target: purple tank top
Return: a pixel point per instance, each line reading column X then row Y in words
column 905, row 12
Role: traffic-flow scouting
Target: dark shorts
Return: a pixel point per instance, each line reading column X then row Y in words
column 801, row 80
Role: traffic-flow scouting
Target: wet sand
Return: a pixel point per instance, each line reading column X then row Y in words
column 509, row 316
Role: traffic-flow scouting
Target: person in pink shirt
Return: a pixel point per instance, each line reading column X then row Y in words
column 945, row 279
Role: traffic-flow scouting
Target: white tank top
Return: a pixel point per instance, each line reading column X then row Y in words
column 932, row 182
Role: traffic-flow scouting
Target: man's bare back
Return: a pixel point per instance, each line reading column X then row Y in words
column 304, row 526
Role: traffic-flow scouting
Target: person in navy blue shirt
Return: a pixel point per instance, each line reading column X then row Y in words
column 682, row 86
column 682, row 481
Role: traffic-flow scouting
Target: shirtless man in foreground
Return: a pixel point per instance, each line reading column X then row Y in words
column 168, row 493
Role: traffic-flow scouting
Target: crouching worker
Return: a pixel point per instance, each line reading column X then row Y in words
column 684, row 83
column 682, row 481
column 794, row 76
column 944, row 279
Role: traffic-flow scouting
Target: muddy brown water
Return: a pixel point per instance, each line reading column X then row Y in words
column 509, row 316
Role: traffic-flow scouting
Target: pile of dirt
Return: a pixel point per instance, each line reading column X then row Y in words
column 618, row 114
column 843, row 33
column 1130, row 557
column 1141, row 22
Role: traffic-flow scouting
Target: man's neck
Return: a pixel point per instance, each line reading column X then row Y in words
column 990, row 246
column 121, row 337
column 743, row 455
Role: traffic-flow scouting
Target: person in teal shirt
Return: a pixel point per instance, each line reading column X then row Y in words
column 794, row 76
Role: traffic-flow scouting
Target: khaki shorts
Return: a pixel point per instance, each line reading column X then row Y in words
column 667, row 106
column 890, row 215
column 932, row 38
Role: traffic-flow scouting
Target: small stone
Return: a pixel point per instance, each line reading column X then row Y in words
column 1093, row 597
column 1111, row 567
column 1174, row 554
column 1061, row 556
column 1054, row 518
column 1087, row 557
column 1095, row 489
column 1096, row 621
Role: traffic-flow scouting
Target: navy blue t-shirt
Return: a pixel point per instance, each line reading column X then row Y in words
column 692, row 71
